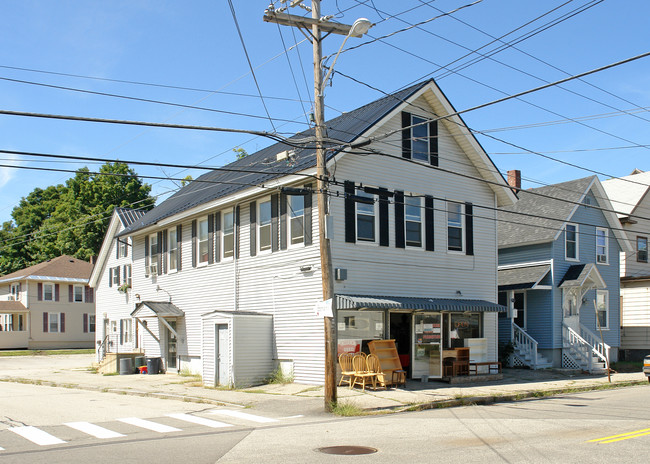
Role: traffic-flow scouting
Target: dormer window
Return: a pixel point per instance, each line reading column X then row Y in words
column 420, row 138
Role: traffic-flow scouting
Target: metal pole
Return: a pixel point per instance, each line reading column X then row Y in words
column 325, row 253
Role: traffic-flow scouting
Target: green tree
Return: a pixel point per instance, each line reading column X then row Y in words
column 70, row 219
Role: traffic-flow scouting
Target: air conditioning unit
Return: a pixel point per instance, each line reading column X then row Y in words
column 153, row 269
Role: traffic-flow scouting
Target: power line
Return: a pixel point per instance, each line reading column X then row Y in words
column 250, row 65
column 146, row 100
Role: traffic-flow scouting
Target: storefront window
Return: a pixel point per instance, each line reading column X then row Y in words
column 356, row 328
column 463, row 326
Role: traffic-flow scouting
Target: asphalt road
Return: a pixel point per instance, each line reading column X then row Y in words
column 603, row 426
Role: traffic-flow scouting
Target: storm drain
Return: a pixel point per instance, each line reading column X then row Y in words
column 347, row 450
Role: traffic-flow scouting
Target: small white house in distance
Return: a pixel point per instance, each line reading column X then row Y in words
column 111, row 279
column 48, row 306
column 631, row 200
column 411, row 221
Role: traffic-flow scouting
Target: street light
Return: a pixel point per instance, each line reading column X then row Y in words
column 358, row 29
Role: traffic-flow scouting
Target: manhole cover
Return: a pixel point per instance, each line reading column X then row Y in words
column 347, row 450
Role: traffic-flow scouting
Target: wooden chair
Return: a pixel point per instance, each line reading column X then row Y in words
column 345, row 361
column 362, row 373
column 461, row 364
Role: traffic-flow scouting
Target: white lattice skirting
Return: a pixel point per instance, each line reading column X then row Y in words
column 569, row 363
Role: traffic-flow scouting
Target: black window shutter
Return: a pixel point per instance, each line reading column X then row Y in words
column 126, row 248
column 117, row 247
column 46, row 321
column 400, row 241
column 428, row 223
column 146, row 256
column 70, row 293
column 90, row 294
column 40, row 291
column 433, row 143
column 469, row 229
column 159, row 263
column 179, row 242
column 194, row 243
column 350, row 213
column 56, row 292
column 117, row 273
column 253, row 228
column 237, row 231
column 283, row 221
column 307, row 231
column 110, row 276
column 406, row 135
column 383, row 218
column 62, row 323
column 217, row 237
column 165, row 249
column 275, row 233
column 210, row 238
column 85, row 322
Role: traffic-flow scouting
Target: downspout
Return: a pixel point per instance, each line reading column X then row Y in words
column 235, row 257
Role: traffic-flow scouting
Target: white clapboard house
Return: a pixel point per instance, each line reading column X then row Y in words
column 226, row 273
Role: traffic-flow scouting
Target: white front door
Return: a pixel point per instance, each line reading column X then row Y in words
column 222, row 354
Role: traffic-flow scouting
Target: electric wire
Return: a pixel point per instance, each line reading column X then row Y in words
column 250, row 65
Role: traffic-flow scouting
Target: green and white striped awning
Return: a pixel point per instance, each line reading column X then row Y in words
column 416, row 303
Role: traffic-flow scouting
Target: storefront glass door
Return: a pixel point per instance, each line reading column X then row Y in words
column 427, row 331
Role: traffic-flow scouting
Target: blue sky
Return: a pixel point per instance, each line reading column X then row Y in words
column 195, row 45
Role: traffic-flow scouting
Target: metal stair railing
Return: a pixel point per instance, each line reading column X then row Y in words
column 102, row 349
column 526, row 344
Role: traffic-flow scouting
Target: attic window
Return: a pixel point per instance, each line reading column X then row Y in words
column 586, row 201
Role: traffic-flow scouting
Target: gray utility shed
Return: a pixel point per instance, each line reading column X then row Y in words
column 237, row 348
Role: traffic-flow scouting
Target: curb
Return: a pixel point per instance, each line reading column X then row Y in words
column 524, row 395
column 118, row 391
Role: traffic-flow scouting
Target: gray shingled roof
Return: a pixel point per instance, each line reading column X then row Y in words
column 516, row 229
column 522, row 277
column 216, row 184
column 129, row 216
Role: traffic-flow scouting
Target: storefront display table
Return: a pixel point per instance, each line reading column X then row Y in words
column 491, row 366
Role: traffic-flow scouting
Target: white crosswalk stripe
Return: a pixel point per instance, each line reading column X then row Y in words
column 37, row 436
column 94, row 430
column 149, row 425
column 199, row 420
column 242, row 415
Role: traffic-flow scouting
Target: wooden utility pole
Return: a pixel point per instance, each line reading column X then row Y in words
column 314, row 26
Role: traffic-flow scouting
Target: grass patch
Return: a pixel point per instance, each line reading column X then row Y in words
column 45, row 352
column 279, row 377
column 347, row 409
column 628, row 366
column 111, row 373
column 309, row 389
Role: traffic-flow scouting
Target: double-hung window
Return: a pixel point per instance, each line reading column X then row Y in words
column 455, row 226
column 91, row 323
column 420, row 139
column 54, row 322
column 78, row 294
column 413, row 221
column 172, row 247
column 122, row 248
column 265, row 225
column 116, row 276
column 153, row 254
column 48, row 292
column 602, row 307
column 642, row 249
column 15, row 291
column 602, row 256
column 571, row 241
column 366, row 217
column 127, row 274
column 296, row 219
column 228, row 234
column 203, row 236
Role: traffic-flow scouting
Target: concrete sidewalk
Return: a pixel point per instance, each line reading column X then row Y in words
column 74, row 371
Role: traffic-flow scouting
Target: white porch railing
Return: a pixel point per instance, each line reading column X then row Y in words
column 526, row 344
column 585, row 348
column 599, row 348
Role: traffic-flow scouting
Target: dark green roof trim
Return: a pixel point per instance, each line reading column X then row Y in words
column 416, row 303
